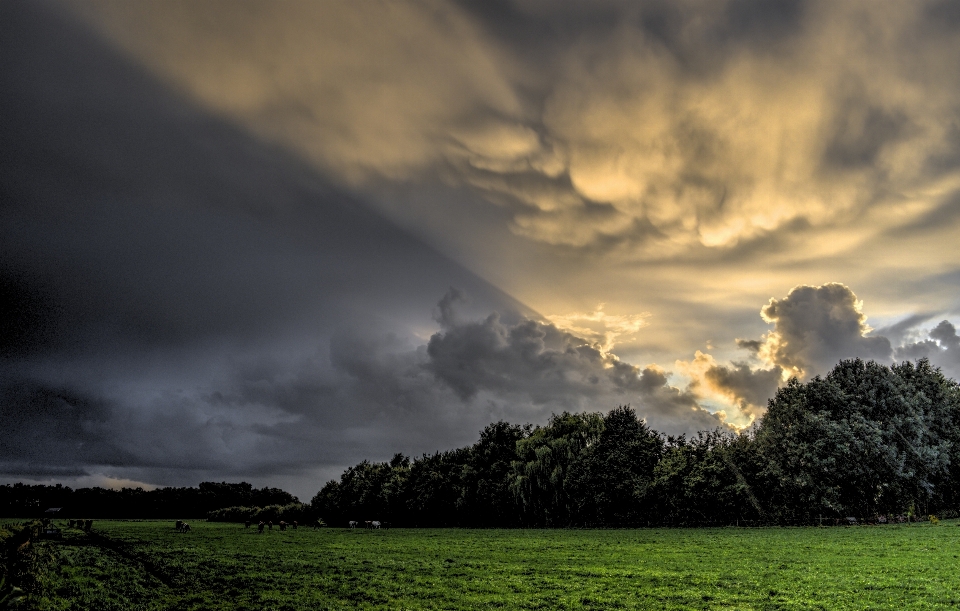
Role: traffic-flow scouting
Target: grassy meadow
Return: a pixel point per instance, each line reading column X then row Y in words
column 148, row 566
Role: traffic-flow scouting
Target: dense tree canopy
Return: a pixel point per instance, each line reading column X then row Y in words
column 866, row 440
column 21, row 500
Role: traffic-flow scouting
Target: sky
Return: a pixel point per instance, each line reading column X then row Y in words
column 253, row 241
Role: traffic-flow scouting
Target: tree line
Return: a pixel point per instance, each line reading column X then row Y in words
column 865, row 440
column 29, row 501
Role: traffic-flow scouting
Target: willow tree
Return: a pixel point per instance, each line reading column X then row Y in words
column 539, row 475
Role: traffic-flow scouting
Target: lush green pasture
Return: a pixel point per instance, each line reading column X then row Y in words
column 147, row 565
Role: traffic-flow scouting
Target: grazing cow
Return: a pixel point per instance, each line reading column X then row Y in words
column 368, row 524
column 851, row 521
column 352, row 523
column 375, row 524
column 183, row 527
column 283, row 525
column 260, row 527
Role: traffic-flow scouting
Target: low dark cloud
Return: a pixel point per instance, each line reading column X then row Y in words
column 360, row 395
column 531, row 362
column 54, row 431
column 941, row 347
column 750, row 387
column 753, row 345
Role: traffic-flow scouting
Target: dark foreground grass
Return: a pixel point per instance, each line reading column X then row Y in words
column 149, row 566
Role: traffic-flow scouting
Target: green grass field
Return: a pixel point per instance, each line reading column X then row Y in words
column 147, row 565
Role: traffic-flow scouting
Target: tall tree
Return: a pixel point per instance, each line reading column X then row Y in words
column 859, row 442
column 698, row 480
column 610, row 481
column 487, row 499
column 539, row 475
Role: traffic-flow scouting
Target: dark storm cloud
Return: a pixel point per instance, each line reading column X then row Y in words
column 179, row 272
column 530, row 362
column 53, row 431
column 128, row 213
column 750, row 387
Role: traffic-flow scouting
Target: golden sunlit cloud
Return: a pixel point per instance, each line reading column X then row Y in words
column 599, row 327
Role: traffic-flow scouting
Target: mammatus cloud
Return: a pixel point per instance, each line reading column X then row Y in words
column 367, row 90
column 652, row 129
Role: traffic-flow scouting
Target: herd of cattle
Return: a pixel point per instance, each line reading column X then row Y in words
column 269, row 524
column 183, row 527
column 81, row 524
column 375, row 524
